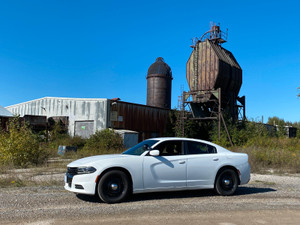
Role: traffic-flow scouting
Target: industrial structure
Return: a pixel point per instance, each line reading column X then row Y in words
column 83, row 116
column 214, row 78
column 159, row 84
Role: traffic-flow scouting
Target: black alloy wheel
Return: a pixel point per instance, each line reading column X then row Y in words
column 226, row 182
column 114, row 186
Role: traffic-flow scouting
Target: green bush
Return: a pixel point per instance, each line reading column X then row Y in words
column 66, row 139
column 241, row 133
column 103, row 142
column 19, row 146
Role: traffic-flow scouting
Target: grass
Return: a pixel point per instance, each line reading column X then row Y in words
column 42, row 175
column 280, row 155
column 11, row 181
column 48, row 174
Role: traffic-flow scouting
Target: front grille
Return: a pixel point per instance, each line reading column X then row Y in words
column 72, row 171
column 70, row 174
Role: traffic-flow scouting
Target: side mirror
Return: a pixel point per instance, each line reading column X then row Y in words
column 154, row 153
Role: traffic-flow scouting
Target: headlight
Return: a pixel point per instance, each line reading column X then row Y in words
column 85, row 170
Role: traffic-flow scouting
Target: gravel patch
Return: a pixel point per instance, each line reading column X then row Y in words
column 53, row 204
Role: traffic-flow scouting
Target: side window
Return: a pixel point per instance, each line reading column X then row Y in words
column 199, row 148
column 168, row 148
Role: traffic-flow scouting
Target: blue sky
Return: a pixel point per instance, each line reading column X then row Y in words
column 103, row 49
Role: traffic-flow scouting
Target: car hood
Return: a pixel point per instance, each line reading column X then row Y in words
column 92, row 159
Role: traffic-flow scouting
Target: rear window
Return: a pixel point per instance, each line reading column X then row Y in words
column 194, row 147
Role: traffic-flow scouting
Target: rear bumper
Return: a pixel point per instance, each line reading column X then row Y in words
column 244, row 173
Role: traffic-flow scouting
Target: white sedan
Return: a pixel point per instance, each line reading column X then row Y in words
column 159, row 164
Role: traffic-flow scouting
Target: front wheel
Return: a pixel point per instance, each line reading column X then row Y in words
column 114, row 186
column 226, row 182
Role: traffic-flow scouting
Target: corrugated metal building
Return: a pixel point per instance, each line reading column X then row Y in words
column 86, row 115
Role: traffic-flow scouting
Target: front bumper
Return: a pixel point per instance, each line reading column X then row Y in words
column 83, row 183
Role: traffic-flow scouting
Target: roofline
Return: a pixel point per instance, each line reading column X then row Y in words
column 6, row 112
column 63, row 98
column 137, row 104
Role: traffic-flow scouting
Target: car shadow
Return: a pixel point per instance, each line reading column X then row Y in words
column 253, row 190
column 179, row 194
column 89, row 198
column 196, row 194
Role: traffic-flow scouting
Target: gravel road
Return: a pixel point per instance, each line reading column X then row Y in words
column 267, row 199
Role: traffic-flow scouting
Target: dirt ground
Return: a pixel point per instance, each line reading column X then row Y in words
column 267, row 199
column 210, row 218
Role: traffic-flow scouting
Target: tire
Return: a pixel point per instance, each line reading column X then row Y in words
column 114, row 186
column 226, row 182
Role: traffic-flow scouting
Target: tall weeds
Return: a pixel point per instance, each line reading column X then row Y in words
column 266, row 149
column 20, row 147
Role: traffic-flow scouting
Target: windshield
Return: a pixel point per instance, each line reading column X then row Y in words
column 140, row 148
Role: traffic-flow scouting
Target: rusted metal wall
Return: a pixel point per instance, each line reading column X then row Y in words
column 37, row 123
column 148, row 121
column 36, row 120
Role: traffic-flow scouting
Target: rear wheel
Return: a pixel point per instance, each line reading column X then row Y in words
column 226, row 182
column 114, row 186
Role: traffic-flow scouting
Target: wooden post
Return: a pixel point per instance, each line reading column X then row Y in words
column 228, row 135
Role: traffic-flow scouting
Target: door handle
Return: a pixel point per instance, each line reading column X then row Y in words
column 216, row 159
column 181, row 162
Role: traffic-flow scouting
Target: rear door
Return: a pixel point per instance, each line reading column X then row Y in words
column 168, row 170
column 202, row 164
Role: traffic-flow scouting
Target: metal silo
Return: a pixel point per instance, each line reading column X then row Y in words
column 159, row 84
column 212, row 67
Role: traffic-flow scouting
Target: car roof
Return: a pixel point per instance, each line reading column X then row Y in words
column 220, row 148
column 181, row 139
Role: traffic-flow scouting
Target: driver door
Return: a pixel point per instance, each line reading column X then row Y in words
column 168, row 170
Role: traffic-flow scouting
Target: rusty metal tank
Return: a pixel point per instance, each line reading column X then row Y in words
column 211, row 66
column 159, row 84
